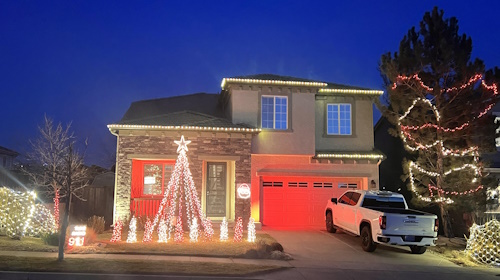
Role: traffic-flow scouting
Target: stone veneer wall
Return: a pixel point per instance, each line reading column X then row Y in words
column 206, row 145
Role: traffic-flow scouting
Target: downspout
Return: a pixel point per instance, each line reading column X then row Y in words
column 116, row 175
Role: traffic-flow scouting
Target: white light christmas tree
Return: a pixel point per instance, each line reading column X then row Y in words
column 132, row 236
column 251, row 230
column 223, row 230
column 162, row 231
column 117, row 231
column 180, row 194
column 16, row 211
column 193, row 231
column 238, row 230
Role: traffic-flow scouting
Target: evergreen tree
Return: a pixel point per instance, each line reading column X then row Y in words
column 439, row 99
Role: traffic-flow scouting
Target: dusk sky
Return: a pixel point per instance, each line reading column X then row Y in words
column 85, row 61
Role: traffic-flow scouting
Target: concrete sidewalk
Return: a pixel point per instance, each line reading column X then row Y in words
column 28, row 254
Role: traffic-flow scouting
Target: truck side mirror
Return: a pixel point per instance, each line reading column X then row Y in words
column 334, row 200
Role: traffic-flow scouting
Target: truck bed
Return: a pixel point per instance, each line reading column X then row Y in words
column 399, row 211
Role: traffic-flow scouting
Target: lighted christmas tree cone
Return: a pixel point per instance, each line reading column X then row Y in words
column 132, row 235
column 148, row 232
column 162, row 231
column 251, row 230
column 223, row 230
column 208, row 229
column 117, row 231
column 193, row 231
column 180, row 201
column 238, row 230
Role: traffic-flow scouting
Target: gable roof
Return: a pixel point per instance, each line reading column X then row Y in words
column 268, row 78
column 205, row 103
column 5, row 151
column 199, row 111
column 184, row 119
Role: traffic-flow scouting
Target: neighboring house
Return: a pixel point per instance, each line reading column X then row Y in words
column 7, row 158
column 295, row 142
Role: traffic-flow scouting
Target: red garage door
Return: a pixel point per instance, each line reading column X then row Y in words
column 300, row 202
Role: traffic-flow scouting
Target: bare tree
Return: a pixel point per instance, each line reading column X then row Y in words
column 60, row 169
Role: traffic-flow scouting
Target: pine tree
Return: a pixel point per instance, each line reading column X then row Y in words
column 439, row 101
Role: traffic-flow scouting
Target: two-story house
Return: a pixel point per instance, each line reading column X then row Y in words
column 295, row 142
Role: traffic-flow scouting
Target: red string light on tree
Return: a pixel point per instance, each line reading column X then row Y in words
column 56, row 208
column 238, row 230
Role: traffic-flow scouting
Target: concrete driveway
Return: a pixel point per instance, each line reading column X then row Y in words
column 322, row 255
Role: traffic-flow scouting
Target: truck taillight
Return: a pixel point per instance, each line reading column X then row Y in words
column 382, row 221
column 436, row 225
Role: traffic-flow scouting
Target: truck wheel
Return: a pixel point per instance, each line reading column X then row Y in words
column 329, row 223
column 366, row 240
column 418, row 249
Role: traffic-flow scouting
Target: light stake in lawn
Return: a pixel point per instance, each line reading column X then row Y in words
column 148, row 233
column 223, row 230
column 132, row 236
column 251, row 230
column 117, row 231
column 238, row 230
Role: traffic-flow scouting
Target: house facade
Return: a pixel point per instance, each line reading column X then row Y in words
column 293, row 143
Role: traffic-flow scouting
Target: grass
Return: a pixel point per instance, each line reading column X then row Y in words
column 453, row 250
column 102, row 245
column 9, row 263
column 25, row 244
column 214, row 248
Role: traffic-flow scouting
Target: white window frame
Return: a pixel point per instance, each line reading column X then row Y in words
column 274, row 111
column 338, row 118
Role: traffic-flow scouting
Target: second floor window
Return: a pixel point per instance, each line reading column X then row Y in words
column 274, row 112
column 339, row 119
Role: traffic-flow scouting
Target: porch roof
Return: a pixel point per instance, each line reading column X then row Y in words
column 374, row 155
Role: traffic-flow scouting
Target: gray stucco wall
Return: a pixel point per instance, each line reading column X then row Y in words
column 298, row 139
column 362, row 125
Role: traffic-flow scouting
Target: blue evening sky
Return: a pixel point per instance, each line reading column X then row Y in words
column 85, row 61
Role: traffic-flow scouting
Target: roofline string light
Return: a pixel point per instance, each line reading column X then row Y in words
column 351, row 156
column 352, row 91
column 271, row 82
column 182, row 127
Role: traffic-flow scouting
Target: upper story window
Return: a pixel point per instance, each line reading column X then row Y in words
column 274, row 112
column 339, row 119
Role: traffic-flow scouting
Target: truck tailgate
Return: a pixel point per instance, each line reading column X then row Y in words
column 409, row 225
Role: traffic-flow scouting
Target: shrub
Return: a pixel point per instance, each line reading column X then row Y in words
column 90, row 236
column 51, row 238
column 96, row 224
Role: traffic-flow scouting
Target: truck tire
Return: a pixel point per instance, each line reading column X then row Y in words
column 366, row 240
column 330, row 227
column 418, row 250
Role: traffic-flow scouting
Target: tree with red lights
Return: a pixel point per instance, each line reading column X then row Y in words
column 439, row 100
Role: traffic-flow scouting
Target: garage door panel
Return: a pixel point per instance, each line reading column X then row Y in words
column 292, row 202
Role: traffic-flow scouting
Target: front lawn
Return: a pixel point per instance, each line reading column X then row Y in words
column 8, row 263
column 25, row 244
column 100, row 244
column 452, row 249
column 213, row 248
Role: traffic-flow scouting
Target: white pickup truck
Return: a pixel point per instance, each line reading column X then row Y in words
column 381, row 217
